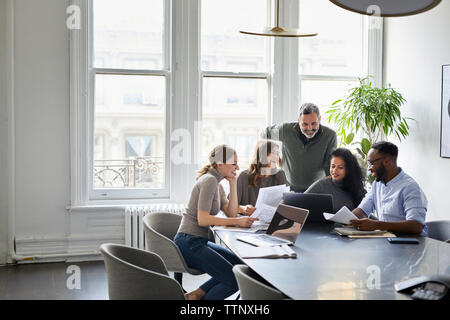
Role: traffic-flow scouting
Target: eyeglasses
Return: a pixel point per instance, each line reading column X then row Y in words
column 372, row 162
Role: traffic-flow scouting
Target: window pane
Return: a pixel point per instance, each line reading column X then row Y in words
column 234, row 112
column 223, row 47
column 338, row 49
column 129, row 132
column 128, row 34
column 324, row 93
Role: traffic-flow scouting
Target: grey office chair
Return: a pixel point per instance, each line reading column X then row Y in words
column 439, row 230
column 135, row 274
column 160, row 228
column 252, row 287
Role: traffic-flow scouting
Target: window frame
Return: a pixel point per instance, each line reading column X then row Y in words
column 372, row 57
column 267, row 76
column 184, row 86
column 83, row 74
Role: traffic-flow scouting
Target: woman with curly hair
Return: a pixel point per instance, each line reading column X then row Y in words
column 345, row 182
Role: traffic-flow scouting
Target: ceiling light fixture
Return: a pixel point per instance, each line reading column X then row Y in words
column 279, row 31
column 387, row 8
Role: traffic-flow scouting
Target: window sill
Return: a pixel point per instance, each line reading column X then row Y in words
column 95, row 208
column 113, row 206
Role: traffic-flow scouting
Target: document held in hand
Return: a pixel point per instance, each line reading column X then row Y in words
column 344, row 215
column 268, row 201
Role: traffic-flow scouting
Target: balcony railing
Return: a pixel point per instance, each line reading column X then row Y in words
column 139, row 172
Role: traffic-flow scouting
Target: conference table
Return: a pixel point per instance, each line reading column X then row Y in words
column 332, row 267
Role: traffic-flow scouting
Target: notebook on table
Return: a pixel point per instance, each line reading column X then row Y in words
column 272, row 252
column 354, row 233
column 284, row 228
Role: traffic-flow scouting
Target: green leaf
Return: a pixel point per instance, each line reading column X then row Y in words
column 336, row 102
column 361, row 153
column 349, row 138
column 365, row 145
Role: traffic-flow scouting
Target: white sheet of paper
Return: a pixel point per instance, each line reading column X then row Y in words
column 344, row 215
column 253, row 229
column 264, row 212
column 271, row 196
column 248, row 252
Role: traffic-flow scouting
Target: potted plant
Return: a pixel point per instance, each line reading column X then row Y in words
column 371, row 113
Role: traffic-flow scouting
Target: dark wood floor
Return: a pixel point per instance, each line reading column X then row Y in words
column 48, row 281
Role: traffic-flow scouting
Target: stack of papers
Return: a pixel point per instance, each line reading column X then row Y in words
column 344, row 216
column 250, row 252
column 353, row 233
column 268, row 201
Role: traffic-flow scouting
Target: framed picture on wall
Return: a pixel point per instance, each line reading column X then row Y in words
column 445, row 112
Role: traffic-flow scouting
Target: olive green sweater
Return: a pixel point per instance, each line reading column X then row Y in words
column 303, row 163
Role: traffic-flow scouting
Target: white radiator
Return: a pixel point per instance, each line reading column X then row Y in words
column 134, row 227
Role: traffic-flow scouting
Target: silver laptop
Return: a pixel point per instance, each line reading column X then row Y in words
column 284, row 228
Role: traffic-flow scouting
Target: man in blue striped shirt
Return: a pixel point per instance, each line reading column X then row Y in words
column 400, row 203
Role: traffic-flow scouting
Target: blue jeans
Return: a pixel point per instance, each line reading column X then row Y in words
column 218, row 262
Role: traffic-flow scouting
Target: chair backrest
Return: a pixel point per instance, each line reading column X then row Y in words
column 252, row 288
column 135, row 274
column 164, row 223
column 160, row 228
column 439, row 230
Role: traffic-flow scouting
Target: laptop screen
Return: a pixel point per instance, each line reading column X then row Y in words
column 317, row 204
column 287, row 222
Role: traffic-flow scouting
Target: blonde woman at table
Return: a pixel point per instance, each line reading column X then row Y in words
column 206, row 200
column 264, row 171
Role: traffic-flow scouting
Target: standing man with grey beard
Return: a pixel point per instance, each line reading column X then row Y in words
column 306, row 147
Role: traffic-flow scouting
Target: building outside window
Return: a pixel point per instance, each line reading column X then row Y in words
column 130, row 109
column 131, row 75
column 330, row 63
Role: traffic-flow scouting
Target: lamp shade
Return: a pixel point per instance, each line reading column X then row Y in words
column 387, row 8
column 278, row 31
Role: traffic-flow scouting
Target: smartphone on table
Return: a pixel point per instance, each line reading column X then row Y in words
column 403, row 240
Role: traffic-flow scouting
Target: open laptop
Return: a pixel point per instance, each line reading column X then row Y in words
column 316, row 203
column 284, row 228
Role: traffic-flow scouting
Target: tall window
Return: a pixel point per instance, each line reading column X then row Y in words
column 131, row 69
column 235, row 75
column 138, row 74
column 330, row 63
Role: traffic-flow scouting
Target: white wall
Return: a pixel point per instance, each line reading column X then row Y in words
column 43, row 225
column 3, row 137
column 416, row 47
column 41, row 117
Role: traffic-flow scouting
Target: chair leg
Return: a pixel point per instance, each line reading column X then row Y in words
column 179, row 277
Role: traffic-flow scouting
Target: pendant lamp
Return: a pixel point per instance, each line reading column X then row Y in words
column 278, row 31
column 387, row 8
